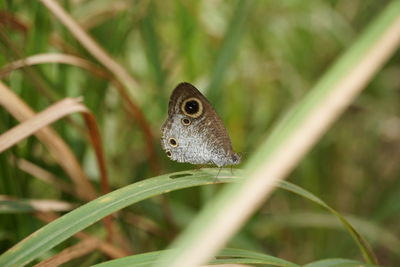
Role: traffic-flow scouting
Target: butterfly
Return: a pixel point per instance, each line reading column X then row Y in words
column 193, row 132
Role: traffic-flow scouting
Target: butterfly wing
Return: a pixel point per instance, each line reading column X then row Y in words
column 193, row 132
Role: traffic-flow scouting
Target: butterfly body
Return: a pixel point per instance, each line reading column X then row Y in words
column 193, row 132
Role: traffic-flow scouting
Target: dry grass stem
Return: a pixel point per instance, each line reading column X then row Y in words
column 52, row 58
column 45, row 176
column 106, row 247
column 57, row 147
column 42, row 205
column 38, row 121
column 96, row 50
column 76, row 251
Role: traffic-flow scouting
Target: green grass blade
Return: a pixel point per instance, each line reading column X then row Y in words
column 75, row 221
column 267, row 259
column 376, row 234
column 230, row 256
column 338, row 263
column 229, row 47
column 360, row 241
column 152, row 47
column 80, row 218
column 142, row 260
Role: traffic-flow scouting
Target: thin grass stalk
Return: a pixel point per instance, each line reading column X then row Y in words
column 75, row 251
column 48, row 116
column 90, row 44
column 57, row 147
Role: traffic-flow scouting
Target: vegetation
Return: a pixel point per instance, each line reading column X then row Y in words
column 100, row 72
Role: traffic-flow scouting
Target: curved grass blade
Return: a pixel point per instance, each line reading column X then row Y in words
column 230, row 256
column 266, row 259
column 337, row 263
column 55, row 232
column 377, row 235
column 360, row 241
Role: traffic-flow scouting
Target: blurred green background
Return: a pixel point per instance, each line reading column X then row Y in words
column 253, row 60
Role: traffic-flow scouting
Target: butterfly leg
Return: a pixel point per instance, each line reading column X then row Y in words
column 216, row 177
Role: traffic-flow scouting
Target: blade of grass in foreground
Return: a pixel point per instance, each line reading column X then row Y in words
column 230, row 256
column 337, row 263
column 56, row 232
column 59, row 230
column 224, row 215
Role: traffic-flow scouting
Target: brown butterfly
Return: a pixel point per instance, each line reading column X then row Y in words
column 193, row 132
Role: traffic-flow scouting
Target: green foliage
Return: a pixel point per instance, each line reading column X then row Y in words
column 255, row 60
column 88, row 214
